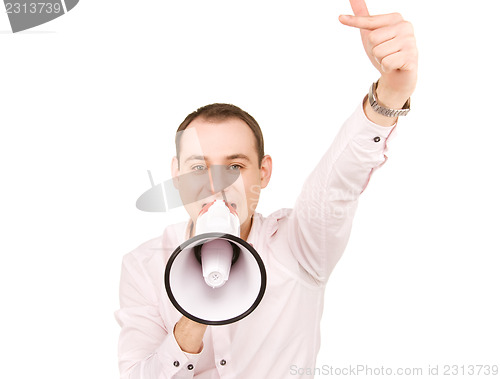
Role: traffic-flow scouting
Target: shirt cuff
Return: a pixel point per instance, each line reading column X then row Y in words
column 175, row 360
column 369, row 134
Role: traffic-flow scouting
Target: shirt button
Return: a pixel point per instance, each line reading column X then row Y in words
column 190, row 367
column 377, row 139
column 176, row 363
column 223, row 362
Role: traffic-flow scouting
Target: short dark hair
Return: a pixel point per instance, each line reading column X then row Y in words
column 220, row 112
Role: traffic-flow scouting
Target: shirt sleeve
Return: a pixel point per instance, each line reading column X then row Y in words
column 146, row 350
column 320, row 223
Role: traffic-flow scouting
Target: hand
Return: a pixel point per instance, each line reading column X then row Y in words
column 189, row 335
column 390, row 44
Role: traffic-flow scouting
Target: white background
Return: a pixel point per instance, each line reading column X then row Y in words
column 91, row 101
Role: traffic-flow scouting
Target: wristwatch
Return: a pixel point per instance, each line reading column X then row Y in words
column 372, row 98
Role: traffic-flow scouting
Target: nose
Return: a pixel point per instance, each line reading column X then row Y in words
column 221, row 178
column 211, row 181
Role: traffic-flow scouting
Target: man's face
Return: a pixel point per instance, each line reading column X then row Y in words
column 209, row 149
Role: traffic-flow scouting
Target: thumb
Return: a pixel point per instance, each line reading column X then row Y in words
column 359, row 7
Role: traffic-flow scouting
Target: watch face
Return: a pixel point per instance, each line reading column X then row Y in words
column 26, row 14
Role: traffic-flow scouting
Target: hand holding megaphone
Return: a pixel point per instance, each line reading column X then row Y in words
column 189, row 335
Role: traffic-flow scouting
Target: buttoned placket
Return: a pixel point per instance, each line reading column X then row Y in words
column 221, row 339
column 221, row 335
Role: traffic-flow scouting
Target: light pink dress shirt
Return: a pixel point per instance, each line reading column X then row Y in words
column 299, row 247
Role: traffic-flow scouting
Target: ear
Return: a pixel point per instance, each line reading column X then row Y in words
column 174, row 170
column 266, row 170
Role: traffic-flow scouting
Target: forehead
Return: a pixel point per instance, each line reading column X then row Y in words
column 217, row 138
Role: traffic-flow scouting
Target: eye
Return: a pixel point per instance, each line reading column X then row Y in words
column 198, row 167
column 235, row 167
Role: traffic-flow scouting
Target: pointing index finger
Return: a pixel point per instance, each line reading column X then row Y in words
column 371, row 22
column 359, row 7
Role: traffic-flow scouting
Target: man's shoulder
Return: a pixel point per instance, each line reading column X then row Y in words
column 280, row 213
column 270, row 223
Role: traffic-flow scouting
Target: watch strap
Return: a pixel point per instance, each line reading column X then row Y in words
column 389, row 112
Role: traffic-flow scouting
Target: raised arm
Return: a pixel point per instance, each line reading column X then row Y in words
column 321, row 221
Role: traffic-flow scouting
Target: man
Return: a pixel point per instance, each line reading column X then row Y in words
column 299, row 247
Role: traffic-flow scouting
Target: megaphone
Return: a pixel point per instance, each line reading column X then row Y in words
column 215, row 278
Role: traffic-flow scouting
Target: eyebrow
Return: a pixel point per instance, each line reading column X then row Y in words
column 228, row 157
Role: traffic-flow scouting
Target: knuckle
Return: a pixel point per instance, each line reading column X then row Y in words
column 397, row 16
column 372, row 38
column 377, row 51
column 385, row 61
column 410, row 66
column 411, row 43
column 414, row 62
column 408, row 27
column 370, row 21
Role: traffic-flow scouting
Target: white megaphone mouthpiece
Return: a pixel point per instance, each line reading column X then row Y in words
column 218, row 217
column 215, row 277
column 217, row 255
